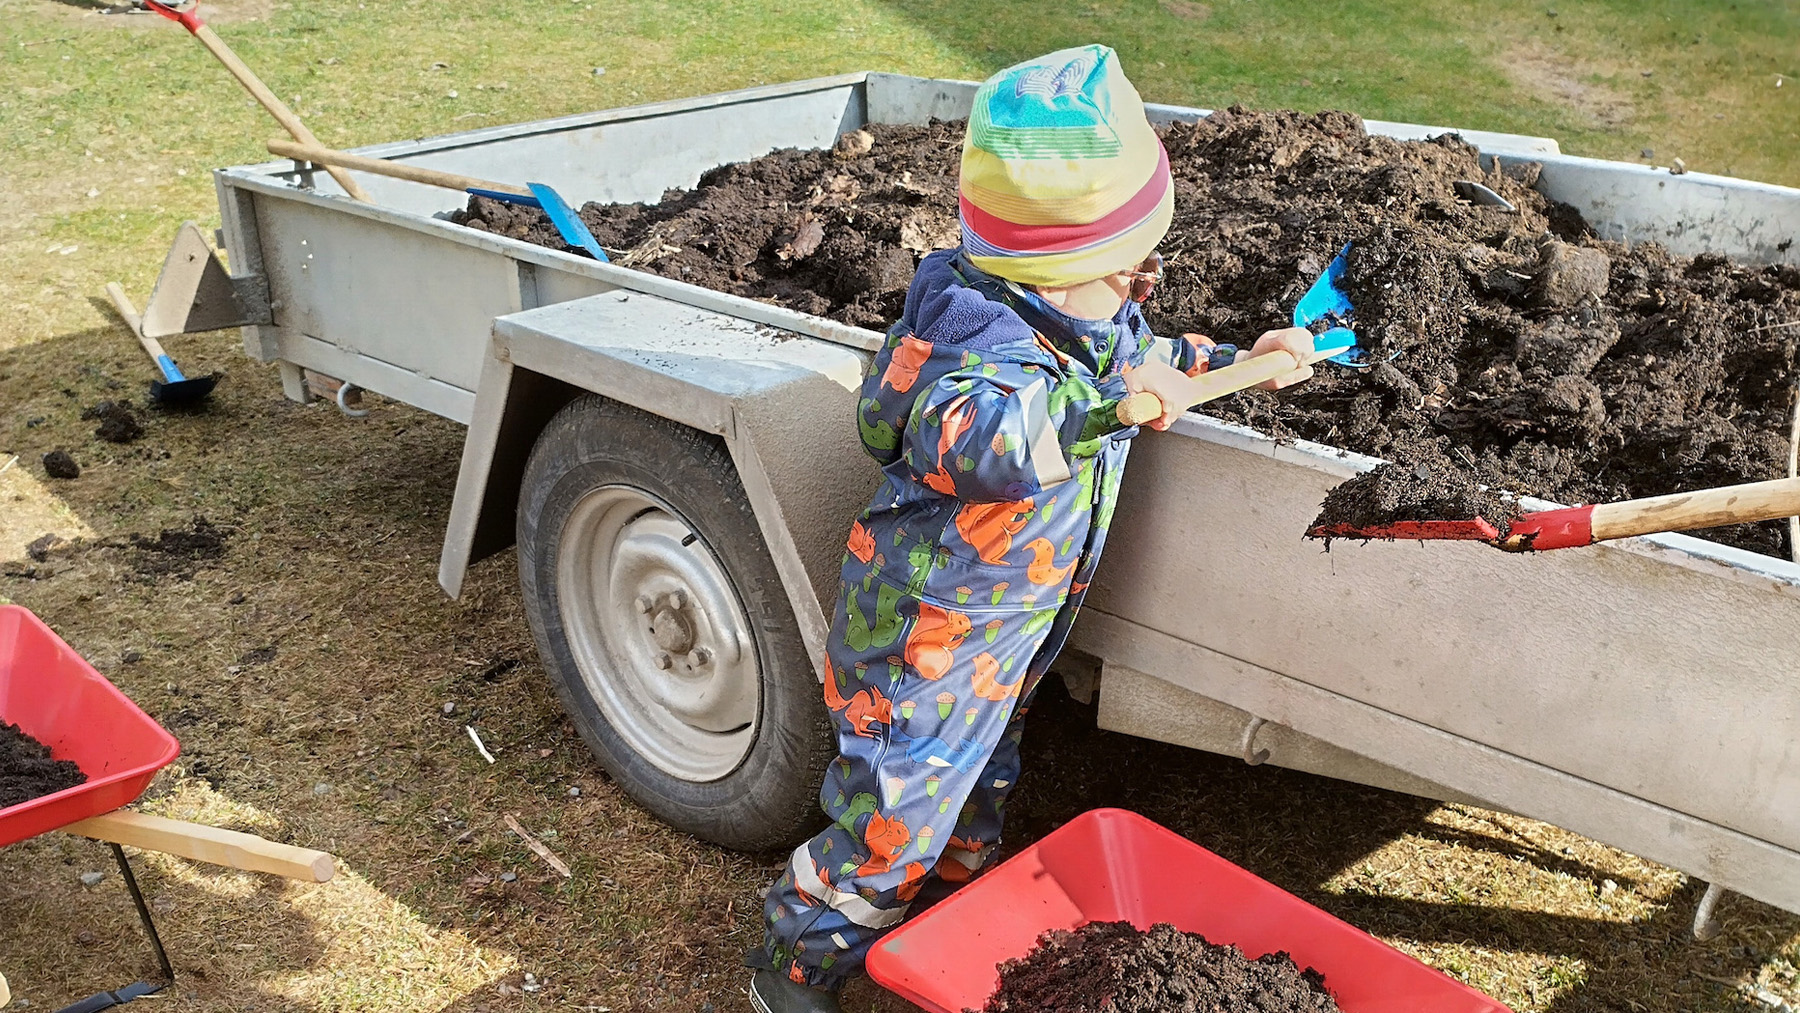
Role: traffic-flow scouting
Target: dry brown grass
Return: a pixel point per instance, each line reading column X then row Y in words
column 335, row 531
column 339, row 742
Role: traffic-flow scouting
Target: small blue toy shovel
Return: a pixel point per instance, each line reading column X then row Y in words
column 1325, row 305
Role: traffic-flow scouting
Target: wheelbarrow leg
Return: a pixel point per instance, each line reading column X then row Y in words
column 137, row 989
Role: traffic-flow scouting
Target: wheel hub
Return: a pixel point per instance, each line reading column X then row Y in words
column 672, row 629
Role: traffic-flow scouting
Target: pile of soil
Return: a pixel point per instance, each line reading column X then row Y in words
column 1398, row 492
column 117, row 423
column 58, row 464
column 836, row 233
column 1111, row 967
column 27, row 771
column 1526, row 353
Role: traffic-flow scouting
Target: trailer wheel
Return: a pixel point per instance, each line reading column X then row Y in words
column 665, row 628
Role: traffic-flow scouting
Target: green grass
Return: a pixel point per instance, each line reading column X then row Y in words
column 131, row 110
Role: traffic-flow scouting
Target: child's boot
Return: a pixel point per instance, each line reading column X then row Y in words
column 775, row 993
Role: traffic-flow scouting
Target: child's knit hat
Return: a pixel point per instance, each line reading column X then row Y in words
column 1063, row 180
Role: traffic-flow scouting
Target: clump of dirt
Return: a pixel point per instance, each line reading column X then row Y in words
column 117, row 423
column 58, row 464
column 833, row 232
column 1513, row 344
column 179, row 552
column 1111, row 967
column 27, row 771
column 1397, row 492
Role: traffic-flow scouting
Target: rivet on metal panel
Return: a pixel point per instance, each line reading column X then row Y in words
column 1249, row 743
column 1706, row 921
column 343, row 393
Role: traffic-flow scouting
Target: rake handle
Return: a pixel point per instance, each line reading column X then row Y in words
column 212, row 845
column 190, row 20
column 320, row 155
column 1213, row 384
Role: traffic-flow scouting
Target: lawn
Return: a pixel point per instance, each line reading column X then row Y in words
column 307, row 666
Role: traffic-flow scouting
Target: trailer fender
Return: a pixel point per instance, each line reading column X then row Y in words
column 781, row 402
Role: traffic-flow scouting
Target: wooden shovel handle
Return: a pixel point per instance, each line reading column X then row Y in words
column 190, row 19
column 212, row 845
column 1707, row 508
column 320, row 155
column 122, row 303
column 1213, row 384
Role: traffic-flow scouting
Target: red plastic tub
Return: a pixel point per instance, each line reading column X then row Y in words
column 57, row 698
column 1113, row 865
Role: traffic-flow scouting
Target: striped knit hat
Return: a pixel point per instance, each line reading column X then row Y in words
column 1063, row 180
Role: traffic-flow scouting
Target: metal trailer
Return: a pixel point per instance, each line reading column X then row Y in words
column 678, row 470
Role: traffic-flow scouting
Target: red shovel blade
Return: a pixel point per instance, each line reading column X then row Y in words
column 1474, row 530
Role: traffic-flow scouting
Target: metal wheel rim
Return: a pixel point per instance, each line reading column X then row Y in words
column 692, row 713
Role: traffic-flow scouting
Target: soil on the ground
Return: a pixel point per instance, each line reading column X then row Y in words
column 1111, row 967
column 58, row 464
column 179, row 552
column 27, row 771
column 1525, row 351
column 1399, row 492
column 117, row 423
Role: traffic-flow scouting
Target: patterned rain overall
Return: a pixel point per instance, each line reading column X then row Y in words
column 993, row 417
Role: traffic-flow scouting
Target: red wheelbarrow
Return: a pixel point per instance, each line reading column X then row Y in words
column 1113, row 865
column 56, row 697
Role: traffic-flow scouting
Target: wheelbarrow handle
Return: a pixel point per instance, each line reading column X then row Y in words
column 212, row 845
column 190, row 19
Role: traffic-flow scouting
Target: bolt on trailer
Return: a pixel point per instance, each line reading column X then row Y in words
column 675, row 469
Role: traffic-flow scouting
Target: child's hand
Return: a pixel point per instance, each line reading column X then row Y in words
column 1167, row 383
column 1296, row 341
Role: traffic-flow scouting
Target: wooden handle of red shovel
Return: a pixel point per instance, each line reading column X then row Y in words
column 1214, row 384
column 1654, row 515
column 207, row 844
column 190, row 19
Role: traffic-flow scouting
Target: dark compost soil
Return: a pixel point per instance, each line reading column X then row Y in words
column 1111, row 967
column 27, row 771
column 1400, row 492
column 58, row 464
column 1531, row 355
column 117, row 423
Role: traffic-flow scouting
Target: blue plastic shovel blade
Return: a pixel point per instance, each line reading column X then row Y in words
column 1325, row 299
column 1326, row 303
column 574, row 231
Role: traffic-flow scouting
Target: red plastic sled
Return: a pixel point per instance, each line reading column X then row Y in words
column 1113, row 865
column 60, row 700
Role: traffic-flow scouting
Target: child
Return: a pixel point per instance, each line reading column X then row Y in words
column 992, row 411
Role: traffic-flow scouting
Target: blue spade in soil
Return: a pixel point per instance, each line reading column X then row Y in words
column 1326, row 311
column 568, row 224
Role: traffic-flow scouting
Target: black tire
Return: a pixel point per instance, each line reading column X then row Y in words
column 771, row 799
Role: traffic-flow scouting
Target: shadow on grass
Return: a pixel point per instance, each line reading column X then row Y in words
column 337, row 528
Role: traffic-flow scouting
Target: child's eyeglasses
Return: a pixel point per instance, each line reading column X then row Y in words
column 1145, row 277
